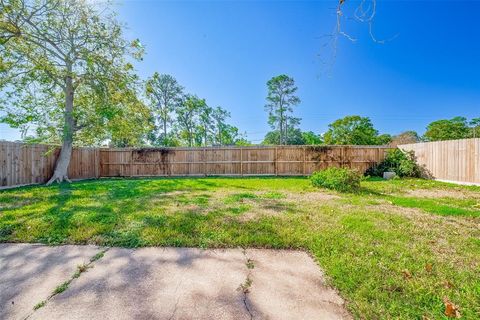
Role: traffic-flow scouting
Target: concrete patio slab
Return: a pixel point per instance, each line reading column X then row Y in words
column 188, row 283
column 29, row 273
column 290, row 285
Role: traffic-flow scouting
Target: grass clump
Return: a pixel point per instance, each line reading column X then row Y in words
column 339, row 179
column 61, row 288
column 97, row 256
column 39, row 305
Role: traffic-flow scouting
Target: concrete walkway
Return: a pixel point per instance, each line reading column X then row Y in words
column 162, row 283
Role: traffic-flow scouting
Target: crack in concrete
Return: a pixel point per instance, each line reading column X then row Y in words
column 175, row 307
column 245, row 287
column 80, row 269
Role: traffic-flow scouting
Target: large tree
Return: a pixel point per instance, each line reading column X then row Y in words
column 165, row 95
column 281, row 99
column 54, row 54
column 188, row 119
column 311, row 138
column 293, row 136
column 222, row 129
column 206, row 125
column 455, row 128
column 353, row 130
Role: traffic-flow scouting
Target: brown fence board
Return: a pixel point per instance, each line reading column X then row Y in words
column 22, row 164
column 27, row 164
column 453, row 160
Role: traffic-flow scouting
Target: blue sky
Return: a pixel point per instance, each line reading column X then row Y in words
column 225, row 52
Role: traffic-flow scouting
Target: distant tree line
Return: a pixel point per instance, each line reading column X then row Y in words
column 184, row 119
column 350, row 130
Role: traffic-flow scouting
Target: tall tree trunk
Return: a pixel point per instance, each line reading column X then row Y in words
column 164, row 129
column 61, row 168
column 286, row 130
column 281, row 124
column 205, row 135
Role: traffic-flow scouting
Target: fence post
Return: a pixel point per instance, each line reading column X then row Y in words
column 204, row 162
column 241, row 161
column 131, row 163
column 275, row 162
column 96, row 162
column 304, row 161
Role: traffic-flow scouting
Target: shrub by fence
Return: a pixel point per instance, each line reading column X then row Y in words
column 28, row 164
column 453, row 160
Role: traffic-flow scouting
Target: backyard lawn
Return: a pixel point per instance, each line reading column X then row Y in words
column 396, row 249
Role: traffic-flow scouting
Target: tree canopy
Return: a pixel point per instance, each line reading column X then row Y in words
column 58, row 61
column 455, row 128
column 354, row 130
column 165, row 95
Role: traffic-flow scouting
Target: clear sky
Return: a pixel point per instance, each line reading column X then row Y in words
column 225, row 52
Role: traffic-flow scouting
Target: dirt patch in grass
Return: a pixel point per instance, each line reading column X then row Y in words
column 455, row 224
column 257, row 213
column 311, row 197
column 443, row 193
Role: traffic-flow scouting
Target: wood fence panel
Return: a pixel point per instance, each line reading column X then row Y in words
column 453, row 160
column 27, row 164
column 231, row 161
column 22, row 164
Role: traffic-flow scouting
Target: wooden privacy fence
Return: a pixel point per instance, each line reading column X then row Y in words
column 22, row 164
column 452, row 160
column 28, row 164
column 232, row 161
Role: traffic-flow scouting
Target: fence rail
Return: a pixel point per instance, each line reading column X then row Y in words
column 22, row 164
column 453, row 160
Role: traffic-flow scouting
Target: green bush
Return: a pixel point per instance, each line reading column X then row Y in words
column 403, row 163
column 340, row 179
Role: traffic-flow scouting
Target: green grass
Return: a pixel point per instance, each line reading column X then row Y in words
column 61, row 288
column 367, row 242
column 39, row 305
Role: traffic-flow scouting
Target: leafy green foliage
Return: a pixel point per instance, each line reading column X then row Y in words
column 188, row 118
column 455, row 128
column 475, row 127
column 339, row 179
column 294, row 136
column 198, row 124
column 65, row 72
column 310, row 138
column 165, row 95
column 403, row 163
column 354, row 130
